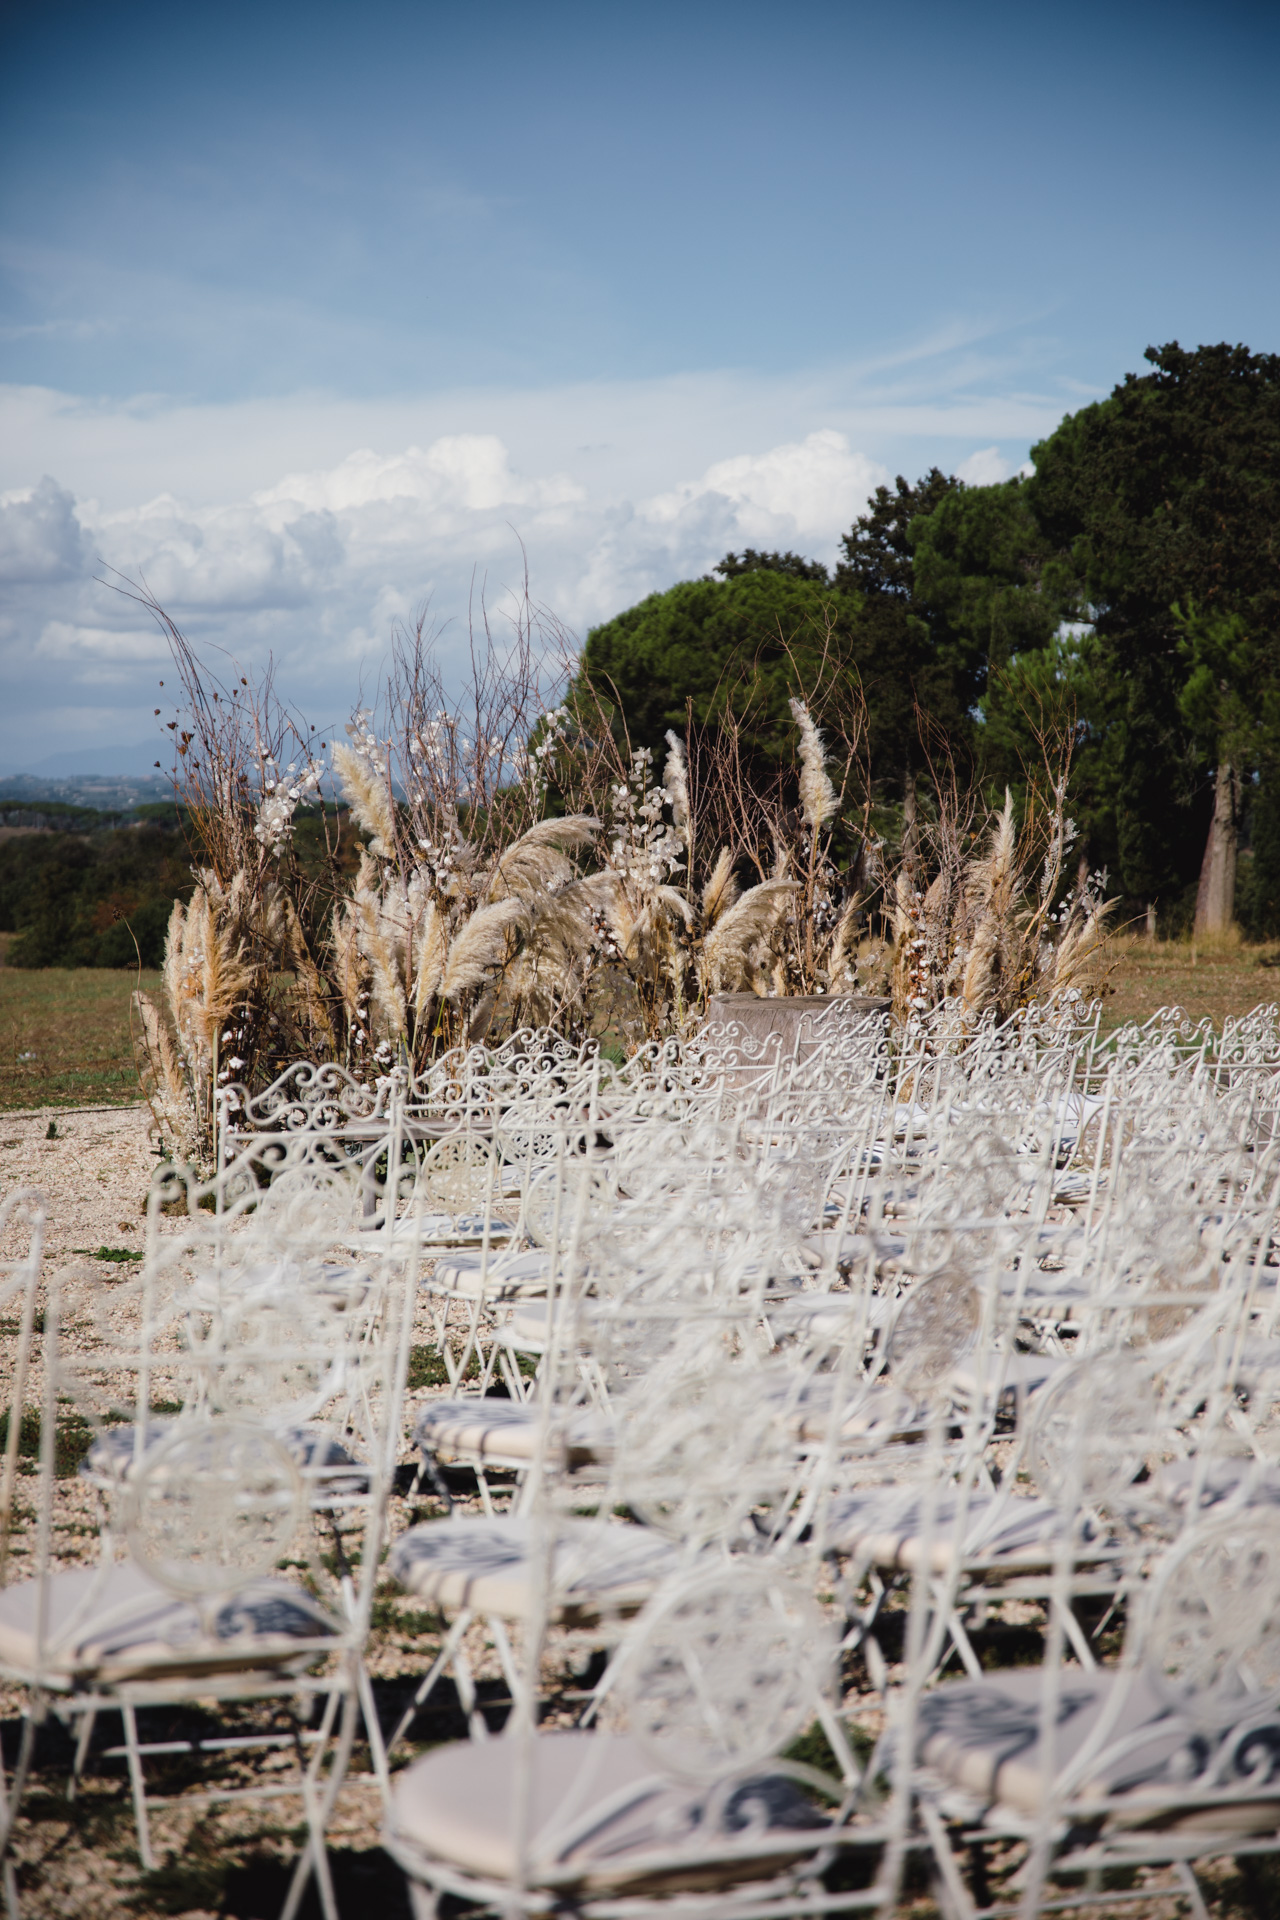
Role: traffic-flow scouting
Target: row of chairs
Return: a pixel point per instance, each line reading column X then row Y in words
column 812, row 1366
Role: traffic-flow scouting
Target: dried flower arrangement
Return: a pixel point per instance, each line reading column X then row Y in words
column 509, row 859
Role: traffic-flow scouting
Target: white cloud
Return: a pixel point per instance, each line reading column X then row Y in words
column 614, row 439
column 985, row 468
column 988, row 466
column 263, row 532
column 335, row 541
column 806, row 486
column 466, row 471
column 60, row 640
column 40, row 537
column 317, row 568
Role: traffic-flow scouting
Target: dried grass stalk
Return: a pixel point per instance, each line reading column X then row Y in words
column 369, row 798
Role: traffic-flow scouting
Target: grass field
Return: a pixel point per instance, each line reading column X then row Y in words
column 64, row 1036
column 1205, row 981
column 64, row 1033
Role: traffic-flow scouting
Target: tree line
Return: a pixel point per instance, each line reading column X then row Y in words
column 1121, row 605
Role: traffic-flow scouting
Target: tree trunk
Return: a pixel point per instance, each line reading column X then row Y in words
column 910, row 831
column 1215, row 896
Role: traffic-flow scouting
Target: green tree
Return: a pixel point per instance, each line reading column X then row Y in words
column 1164, row 502
column 749, row 561
column 911, row 660
column 733, row 644
column 82, row 899
column 982, row 566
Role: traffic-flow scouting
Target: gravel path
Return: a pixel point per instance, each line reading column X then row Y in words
column 94, row 1174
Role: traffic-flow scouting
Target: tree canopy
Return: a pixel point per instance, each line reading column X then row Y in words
column 718, row 646
column 1127, row 591
column 1162, row 505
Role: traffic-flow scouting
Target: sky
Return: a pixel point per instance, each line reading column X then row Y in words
column 317, row 316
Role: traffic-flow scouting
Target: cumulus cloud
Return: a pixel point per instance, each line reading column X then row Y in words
column 61, row 640
column 41, row 538
column 805, row 486
column 317, row 567
column 988, row 466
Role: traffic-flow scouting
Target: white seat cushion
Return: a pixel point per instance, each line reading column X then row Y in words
column 448, row 1229
column 884, row 1526
column 1018, row 1375
column 509, row 1276
column 1248, row 1481
column 880, row 1412
column 328, row 1471
column 484, row 1563
column 505, row 1432
column 275, row 1282
column 984, row 1736
column 109, row 1624
column 598, row 1815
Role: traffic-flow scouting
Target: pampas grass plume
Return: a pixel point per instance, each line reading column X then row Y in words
column 818, row 798
column 675, row 778
column 367, row 796
column 721, row 890
column 480, row 946
column 742, row 927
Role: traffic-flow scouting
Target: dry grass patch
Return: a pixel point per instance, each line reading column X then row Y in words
column 1210, row 980
column 64, row 1035
column 65, row 1039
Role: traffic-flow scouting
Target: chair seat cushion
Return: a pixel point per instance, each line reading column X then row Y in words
column 328, row 1471
column 880, row 1413
column 505, row 1432
column 984, row 1736
column 510, row 1276
column 885, row 1527
column 1246, row 1481
column 113, row 1623
column 449, row 1229
column 277, row 1282
column 598, row 1815
column 486, row 1563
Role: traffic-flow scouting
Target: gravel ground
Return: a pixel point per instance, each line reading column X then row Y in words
column 79, row 1858
column 94, row 1174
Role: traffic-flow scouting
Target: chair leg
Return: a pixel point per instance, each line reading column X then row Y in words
column 507, row 1659
column 373, row 1728
column 438, row 1666
column 88, row 1721
column 477, row 1726
column 10, row 1815
column 1191, row 1887
column 829, row 1721
column 10, row 1806
column 963, row 1645
column 953, row 1894
column 314, row 1857
column 139, row 1789
column 1076, row 1635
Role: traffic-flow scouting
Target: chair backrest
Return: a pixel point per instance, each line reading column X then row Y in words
column 274, row 1334
column 1209, row 1632
column 215, row 1506
column 724, row 1667
column 1093, row 1429
column 460, row 1175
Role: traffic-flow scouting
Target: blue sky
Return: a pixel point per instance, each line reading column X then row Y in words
column 309, row 312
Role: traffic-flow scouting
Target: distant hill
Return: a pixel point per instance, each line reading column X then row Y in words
column 104, row 792
column 75, row 763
